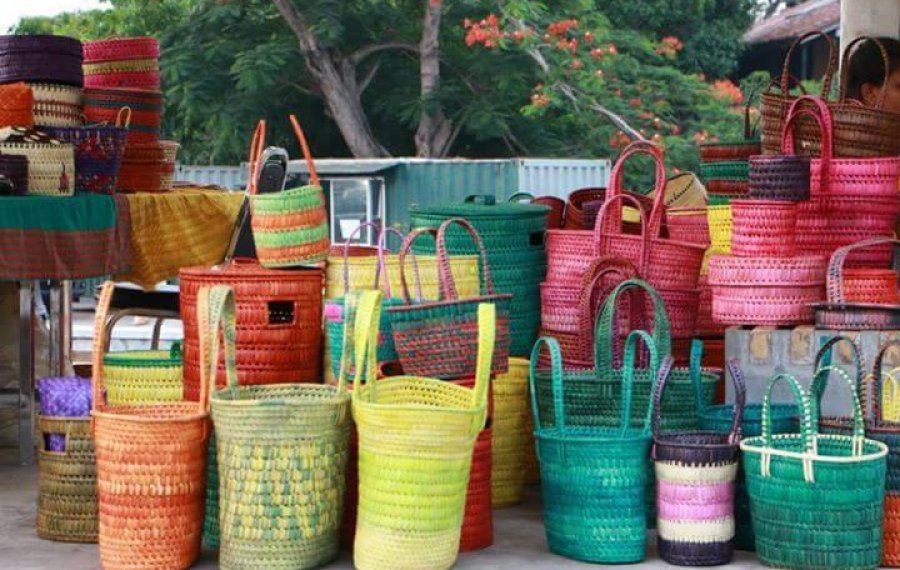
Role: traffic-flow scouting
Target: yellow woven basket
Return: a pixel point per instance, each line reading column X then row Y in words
column 416, row 438
column 719, row 218
column 510, row 435
column 139, row 377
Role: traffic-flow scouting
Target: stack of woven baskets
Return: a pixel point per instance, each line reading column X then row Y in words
column 131, row 63
column 724, row 167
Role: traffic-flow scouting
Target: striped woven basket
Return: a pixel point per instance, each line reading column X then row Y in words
column 817, row 499
column 144, row 377
column 51, row 166
column 290, row 227
column 58, row 105
column 275, row 444
column 416, row 439
column 695, row 475
column 510, row 434
column 102, row 105
column 99, row 150
column 593, row 479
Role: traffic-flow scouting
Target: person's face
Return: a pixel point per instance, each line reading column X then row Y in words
column 870, row 93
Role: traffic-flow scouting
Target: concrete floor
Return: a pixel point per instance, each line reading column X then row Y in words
column 518, row 534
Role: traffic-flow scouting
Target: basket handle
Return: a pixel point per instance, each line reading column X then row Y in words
column 216, row 314
column 878, row 380
column 591, row 288
column 830, row 69
column 347, row 243
column 447, row 283
column 740, row 399
column 654, row 229
column 481, row 199
column 254, row 162
column 556, row 381
column 102, row 311
column 823, row 359
column 845, row 69
column 365, row 331
column 661, row 379
column 307, row 155
column 126, row 122
column 806, row 433
column 628, row 365
column 695, row 370
column 406, row 249
column 381, row 268
column 600, row 226
column 349, row 313
column 819, row 384
column 605, row 326
column 526, row 197
column 487, row 334
column 822, row 115
column 835, row 278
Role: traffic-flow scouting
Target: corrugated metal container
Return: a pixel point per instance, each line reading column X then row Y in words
column 552, row 177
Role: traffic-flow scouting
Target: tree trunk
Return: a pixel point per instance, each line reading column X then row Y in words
column 340, row 89
column 435, row 133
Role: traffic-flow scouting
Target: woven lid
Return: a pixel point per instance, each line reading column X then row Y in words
column 247, row 270
column 116, row 49
column 145, row 358
column 482, row 206
column 40, row 43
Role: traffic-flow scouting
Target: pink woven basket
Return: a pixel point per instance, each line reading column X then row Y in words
column 776, row 291
column 117, row 49
column 764, row 228
column 688, row 225
column 706, row 326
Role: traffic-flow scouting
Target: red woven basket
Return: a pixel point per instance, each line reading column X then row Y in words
column 574, row 214
column 868, row 285
column 124, row 79
column 688, row 225
column 557, row 215
column 279, row 323
column 706, row 326
column 478, row 521
column 16, row 105
column 763, row 228
column 102, row 106
column 115, row 49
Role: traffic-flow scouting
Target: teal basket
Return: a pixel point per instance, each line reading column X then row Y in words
column 335, row 317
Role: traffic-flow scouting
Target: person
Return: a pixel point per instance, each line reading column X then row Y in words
column 866, row 74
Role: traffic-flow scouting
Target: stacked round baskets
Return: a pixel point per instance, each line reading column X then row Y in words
column 122, row 62
column 102, row 106
column 148, row 167
column 723, row 164
column 57, row 105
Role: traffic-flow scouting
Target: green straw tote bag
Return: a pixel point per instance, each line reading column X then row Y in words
column 282, row 457
column 592, row 396
column 816, row 499
column 416, row 439
column 593, row 479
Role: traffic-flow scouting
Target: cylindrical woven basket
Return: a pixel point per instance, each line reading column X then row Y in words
column 688, row 225
column 42, row 58
column 477, row 532
column 510, row 436
column 122, row 62
column 67, row 481
column 121, row 49
column 51, row 166
column 695, row 475
column 59, row 105
column 593, row 479
column 416, row 439
column 148, row 167
column 439, row 339
column 574, row 212
column 878, row 286
column 720, row 223
column 817, row 499
column 279, row 334
column 151, row 472
column 15, row 168
column 99, row 150
column 763, row 228
column 102, row 106
column 16, row 105
column 143, row 377
column 779, row 177
column 260, row 431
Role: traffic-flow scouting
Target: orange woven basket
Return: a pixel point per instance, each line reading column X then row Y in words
column 870, row 285
column 151, row 474
column 16, row 105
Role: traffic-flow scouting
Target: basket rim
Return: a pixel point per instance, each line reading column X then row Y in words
column 594, row 434
column 103, row 412
column 338, row 397
column 388, row 380
column 129, row 358
column 427, row 304
column 754, row 445
column 670, row 440
column 735, row 142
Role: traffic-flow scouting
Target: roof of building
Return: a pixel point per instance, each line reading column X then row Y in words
column 793, row 22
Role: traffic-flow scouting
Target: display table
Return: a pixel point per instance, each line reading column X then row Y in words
column 143, row 238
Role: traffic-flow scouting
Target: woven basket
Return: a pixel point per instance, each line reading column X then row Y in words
column 151, row 470
column 817, row 500
column 591, row 395
column 763, row 228
column 58, row 105
column 290, row 227
column 279, row 335
column 776, row 291
column 731, row 170
column 727, row 189
column 477, row 531
column 439, row 339
column 719, row 219
column 102, row 106
column 16, row 105
column 775, row 103
column 734, row 150
column 416, row 439
column 695, row 475
column 67, row 481
column 51, row 166
column 779, row 177
column 593, row 479
column 42, row 58
column 557, row 216
column 877, row 286
column 122, row 62
column 510, row 436
column 688, row 225
column 15, row 169
column 99, row 150
column 143, row 377
column 259, row 431
column 574, row 211
column 119, row 49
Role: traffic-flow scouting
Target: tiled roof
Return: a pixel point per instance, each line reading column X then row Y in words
column 793, row 22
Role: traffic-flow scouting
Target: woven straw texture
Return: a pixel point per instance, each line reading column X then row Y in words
column 99, row 150
column 16, row 105
column 151, row 470
column 41, row 57
column 779, row 177
column 416, row 438
column 282, row 457
column 440, row 339
column 763, row 228
column 67, row 482
column 279, row 334
column 138, row 377
column 816, row 500
column 121, row 49
column 593, row 479
column 102, row 105
column 51, row 167
column 58, row 105
column 510, row 434
column 695, row 475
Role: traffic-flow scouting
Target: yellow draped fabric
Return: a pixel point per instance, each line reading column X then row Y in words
column 189, row 226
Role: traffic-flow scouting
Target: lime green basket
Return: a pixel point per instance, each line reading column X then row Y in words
column 141, row 377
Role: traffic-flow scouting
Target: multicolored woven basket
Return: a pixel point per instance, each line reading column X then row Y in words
column 102, row 106
column 99, row 150
column 59, row 105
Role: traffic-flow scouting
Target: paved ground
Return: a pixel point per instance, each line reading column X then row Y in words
column 519, row 538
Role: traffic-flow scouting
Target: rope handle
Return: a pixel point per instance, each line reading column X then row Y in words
column 216, row 316
column 823, row 359
column 659, row 191
column 380, row 251
column 307, row 155
column 819, row 384
column 829, row 69
column 592, row 287
column 835, row 278
column 845, row 69
column 254, row 161
column 878, row 378
column 822, row 114
column 556, row 381
column 405, row 249
column 126, row 122
column 445, row 271
column 365, row 331
column 604, row 220
column 381, row 267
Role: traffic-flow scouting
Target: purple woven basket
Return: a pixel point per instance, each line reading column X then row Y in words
column 63, row 397
column 779, row 177
column 15, row 168
column 710, row 461
column 41, row 58
column 99, row 150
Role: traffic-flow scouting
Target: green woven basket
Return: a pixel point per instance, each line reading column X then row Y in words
column 737, row 170
column 718, row 199
column 282, row 458
column 594, row 480
column 817, row 500
column 211, row 516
